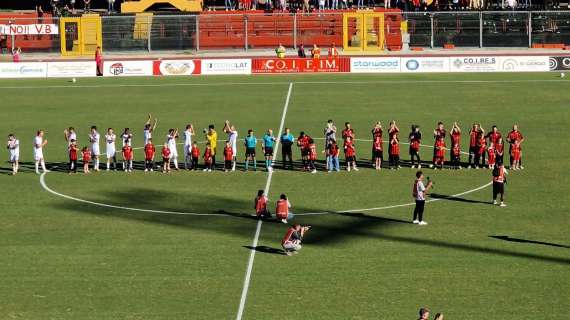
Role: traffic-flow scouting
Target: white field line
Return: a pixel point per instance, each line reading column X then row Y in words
column 247, row 279
column 159, row 85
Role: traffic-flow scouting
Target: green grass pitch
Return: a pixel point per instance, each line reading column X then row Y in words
column 65, row 259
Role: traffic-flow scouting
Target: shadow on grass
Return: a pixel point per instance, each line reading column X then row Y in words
column 326, row 230
column 266, row 249
column 507, row 238
column 452, row 198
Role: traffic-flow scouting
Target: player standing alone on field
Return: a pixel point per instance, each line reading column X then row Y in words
column 13, row 146
column 39, row 144
column 110, row 149
column 499, row 180
column 230, row 129
column 268, row 143
column 188, row 133
column 419, row 191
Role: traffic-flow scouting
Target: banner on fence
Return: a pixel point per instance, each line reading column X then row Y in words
column 23, row 29
column 226, row 66
column 71, row 69
column 559, row 63
column 524, row 64
column 475, row 64
column 23, row 70
column 127, row 68
column 299, row 65
column 425, row 64
column 176, row 67
column 375, row 64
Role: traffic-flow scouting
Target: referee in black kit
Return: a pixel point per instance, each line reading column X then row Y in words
column 419, row 191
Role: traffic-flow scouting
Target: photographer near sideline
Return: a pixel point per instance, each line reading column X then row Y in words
column 419, row 191
column 291, row 243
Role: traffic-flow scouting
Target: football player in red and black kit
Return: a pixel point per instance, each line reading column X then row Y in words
column 350, row 154
column 475, row 134
column 377, row 146
column 394, row 152
column 348, row 132
column 303, row 143
column 438, row 132
column 515, row 135
column 415, row 139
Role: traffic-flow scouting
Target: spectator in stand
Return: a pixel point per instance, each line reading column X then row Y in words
column 306, row 7
column 111, row 5
column 87, row 7
column 280, row 51
column 301, row 52
column 316, row 52
column 514, row 136
column 3, row 44
column 229, row 5
column 333, row 52
column 16, row 55
column 99, row 61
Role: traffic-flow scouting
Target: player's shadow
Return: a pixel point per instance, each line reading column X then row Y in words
column 507, row 238
column 458, row 199
column 266, row 249
column 28, row 166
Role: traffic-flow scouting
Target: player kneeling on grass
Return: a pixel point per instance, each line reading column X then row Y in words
column 127, row 158
column 86, row 155
column 350, row 154
column 149, row 151
column 228, row 157
column 72, row 156
column 261, row 205
column 166, row 154
column 13, row 147
column 291, row 243
column 282, row 209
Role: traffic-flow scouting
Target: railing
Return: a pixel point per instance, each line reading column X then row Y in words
column 245, row 31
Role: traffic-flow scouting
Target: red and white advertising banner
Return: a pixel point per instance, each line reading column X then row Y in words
column 22, row 29
column 300, row 65
column 176, row 67
column 23, row 70
column 127, row 68
column 62, row 69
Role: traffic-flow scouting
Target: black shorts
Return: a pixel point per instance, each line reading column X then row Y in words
column 250, row 152
column 228, row 164
column 304, row 152
column 268, row 152
column 349, row 159
column 377, row 154
column 414, row 152
column 473, row 150
column 498, row 188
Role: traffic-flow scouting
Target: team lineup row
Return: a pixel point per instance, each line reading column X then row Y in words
column 485, row 149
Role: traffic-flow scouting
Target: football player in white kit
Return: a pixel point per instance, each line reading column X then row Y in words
column 39, row 144
column 94, row 138
column 149, row 129
column 127, row 137
column 69, row 134
column 13, row 146
column 232, row 138
column 110, row 149
column 188, row 133
column 171, row 142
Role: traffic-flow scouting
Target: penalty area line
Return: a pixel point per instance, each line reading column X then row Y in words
column 249, row 269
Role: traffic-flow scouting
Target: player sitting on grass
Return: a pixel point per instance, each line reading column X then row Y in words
column 250, row 143
column 127, row 157
column 73, row 151
column 291, row 242
column 110, row 149
column 86, row 155
column 149, row 151
column 439, row 157
column 13, row 146
column 208, row 158
column 195, row 156
column 228, row 156
column 350, row 154
column 282, row 207
column 268, row 142
column 261, row 205
column 166, row 156
column 333, row 152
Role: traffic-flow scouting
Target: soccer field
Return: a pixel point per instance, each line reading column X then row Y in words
column 114, row 245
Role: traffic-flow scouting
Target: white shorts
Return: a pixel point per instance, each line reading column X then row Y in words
column 95, row 150
column 111, row 152
column 292, row 246
column 173, row 153
column 38, row 154
column 14, row 157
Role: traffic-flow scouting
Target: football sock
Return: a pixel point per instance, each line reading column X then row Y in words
column 37, row 166
column 43, row 163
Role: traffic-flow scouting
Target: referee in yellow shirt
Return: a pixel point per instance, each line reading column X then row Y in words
column 212, row 137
